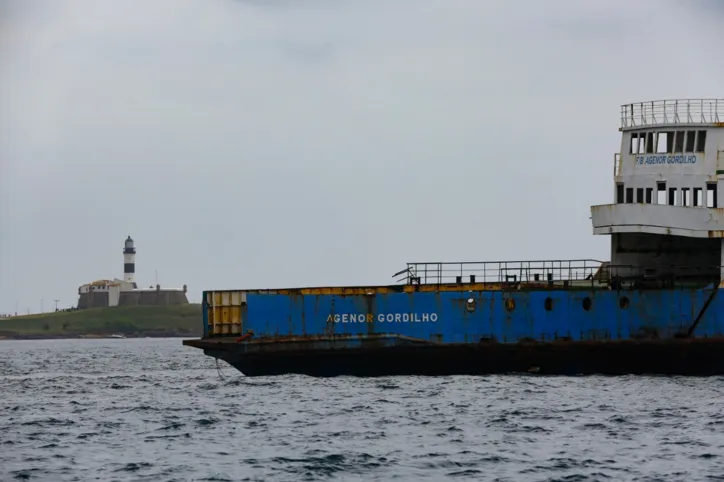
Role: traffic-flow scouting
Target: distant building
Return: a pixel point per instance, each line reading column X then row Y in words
column 125, row 292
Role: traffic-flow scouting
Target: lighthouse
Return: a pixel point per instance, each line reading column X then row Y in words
column 129, row 262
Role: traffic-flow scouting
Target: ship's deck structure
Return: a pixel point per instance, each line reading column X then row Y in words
column 651, row 308
column 667, row 186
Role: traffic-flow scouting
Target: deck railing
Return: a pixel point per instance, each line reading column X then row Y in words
column 676, row 111
column 567, row 272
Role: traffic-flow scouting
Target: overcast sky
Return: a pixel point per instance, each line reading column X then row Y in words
column 273, row 143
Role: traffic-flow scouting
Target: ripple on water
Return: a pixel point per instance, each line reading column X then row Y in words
column 70, row 413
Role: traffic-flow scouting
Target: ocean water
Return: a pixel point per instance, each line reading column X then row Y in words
column 153, row 410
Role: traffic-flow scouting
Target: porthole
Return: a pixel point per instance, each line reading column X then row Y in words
column 623, row 302
column 587, row 303
column 548, row 304
column 510, row 304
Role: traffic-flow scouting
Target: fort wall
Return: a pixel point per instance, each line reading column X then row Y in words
column 153, row 297
column 147, row 297
column 93, row 299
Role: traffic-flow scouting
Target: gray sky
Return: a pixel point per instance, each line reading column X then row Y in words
column 254, row 144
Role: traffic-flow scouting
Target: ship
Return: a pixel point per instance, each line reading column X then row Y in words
column 654, row 307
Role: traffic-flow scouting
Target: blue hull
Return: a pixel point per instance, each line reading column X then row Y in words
column 463, row 330
column 447, row 317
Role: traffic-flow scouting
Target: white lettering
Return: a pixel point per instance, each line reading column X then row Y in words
column 382, row 318
column 666, row 159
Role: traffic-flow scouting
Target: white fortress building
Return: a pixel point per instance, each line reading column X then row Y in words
column 668, row 184
column 125, row 292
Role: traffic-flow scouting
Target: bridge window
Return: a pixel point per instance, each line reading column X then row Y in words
column 650, row 143
column 697, row 197
column 660, row 193
column 619, row 193
column 701, row 141
column 640, row 195
column 679, row 141
column 649, row 195
column 690, row 141
column 665, row 142
column 685, row 201
column 629, row 195
column 711, row 201
column 672, row 196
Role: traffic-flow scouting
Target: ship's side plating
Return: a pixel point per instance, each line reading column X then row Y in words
column 469, row 312
column 654, row 307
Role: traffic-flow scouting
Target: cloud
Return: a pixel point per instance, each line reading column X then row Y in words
column 246, row 143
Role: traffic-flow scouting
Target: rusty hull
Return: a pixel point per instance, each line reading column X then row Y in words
column 381, row 331
column 320, row 357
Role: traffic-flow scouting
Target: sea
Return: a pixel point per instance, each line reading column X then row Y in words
column 154, row 410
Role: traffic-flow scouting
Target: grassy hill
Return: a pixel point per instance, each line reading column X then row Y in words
column 179, row 320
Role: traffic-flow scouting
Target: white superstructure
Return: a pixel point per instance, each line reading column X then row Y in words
column 668, row 186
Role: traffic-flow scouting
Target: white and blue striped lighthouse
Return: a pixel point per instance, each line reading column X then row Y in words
column 129, row 262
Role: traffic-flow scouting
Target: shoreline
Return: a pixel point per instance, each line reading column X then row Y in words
column 168, row 321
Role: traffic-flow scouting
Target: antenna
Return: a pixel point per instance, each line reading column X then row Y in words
column 56, row 304
column 156, row 276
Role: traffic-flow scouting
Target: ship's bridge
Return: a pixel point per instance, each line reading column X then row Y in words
column 667, row 185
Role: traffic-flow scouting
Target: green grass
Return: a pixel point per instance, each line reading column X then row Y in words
column 178, row 320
